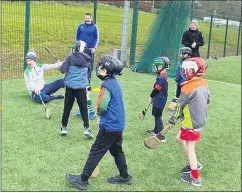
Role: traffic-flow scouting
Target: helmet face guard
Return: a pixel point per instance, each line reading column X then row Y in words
column 98, row 74
column 161, row 61
column 111, row 64
column 200, row 64
column 185, row 53
column 188, row 70
column 79, row 46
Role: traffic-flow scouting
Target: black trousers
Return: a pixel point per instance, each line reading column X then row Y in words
column 80, row 95
column 157, row 113
column 90, row 68
column 195, row 53
column 178, row 90
column 106, row 140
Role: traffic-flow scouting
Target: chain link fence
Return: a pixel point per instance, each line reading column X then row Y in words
column 54, row 23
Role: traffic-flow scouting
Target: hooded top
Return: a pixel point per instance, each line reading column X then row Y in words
column 88, row 33
column 76, row 66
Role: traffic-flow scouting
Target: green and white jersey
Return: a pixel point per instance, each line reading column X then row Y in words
column 34, row 77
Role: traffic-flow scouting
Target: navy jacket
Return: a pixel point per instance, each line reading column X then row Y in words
column 88, row 33
column 191, row 36
column 160, row 98
column 179, row 79
column 76, row 66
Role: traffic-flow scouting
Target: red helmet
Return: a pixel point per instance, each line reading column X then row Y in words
column 200, row 64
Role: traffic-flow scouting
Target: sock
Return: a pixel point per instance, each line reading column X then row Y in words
column 195, row 174
column 90, row 106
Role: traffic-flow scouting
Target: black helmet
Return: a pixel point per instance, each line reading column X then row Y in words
column 113, row 66
column 185, row 53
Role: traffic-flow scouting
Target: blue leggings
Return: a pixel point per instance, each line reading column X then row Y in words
column 48, row 90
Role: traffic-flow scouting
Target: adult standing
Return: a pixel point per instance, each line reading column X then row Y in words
column 88, row 32
column 193, row 38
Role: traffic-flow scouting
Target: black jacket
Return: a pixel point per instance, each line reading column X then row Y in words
column 191, row 36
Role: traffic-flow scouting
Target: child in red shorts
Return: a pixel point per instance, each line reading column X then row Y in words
column 192, row 110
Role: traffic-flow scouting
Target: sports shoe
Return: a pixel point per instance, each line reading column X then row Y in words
column 187, row 168
column 77, row 182
column 92, row 115
column 88, row 133
column 120, row 180
column 151, row 132
column 63, row 131
column 189, row 179
column 73, row 176
column 163, row 139
column 78, row 114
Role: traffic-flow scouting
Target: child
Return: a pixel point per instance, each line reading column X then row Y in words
column 34, row 80
column 76, row 81
column 159, row 94
column 185, row 53
column 192, row 109
column 91, row 112
column 110, row 108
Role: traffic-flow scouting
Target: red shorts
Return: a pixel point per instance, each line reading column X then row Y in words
column 189, row 135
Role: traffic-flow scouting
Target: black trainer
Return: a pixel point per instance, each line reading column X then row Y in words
column 73, row 176
column 76, row 181
column 187, row 168
column 189, row 179
column 120, row 180
column 161, row 138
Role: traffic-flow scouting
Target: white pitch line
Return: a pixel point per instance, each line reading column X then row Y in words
column 223, row 82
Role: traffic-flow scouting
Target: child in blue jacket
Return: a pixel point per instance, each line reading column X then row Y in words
column 159, row 94
column 110, row 108
column 76, row 81
column 185, row 53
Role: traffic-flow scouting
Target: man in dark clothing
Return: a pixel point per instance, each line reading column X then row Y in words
column 193, row 38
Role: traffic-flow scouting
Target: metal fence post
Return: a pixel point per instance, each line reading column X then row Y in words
column 134, row 31
column 192, row 10
column 225, row 37
column 95, row 12
column 209, row 38
column 237, row 52
column 125, row 32
column 27, row 29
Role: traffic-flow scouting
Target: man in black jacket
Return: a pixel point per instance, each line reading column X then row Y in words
column 193, row 38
